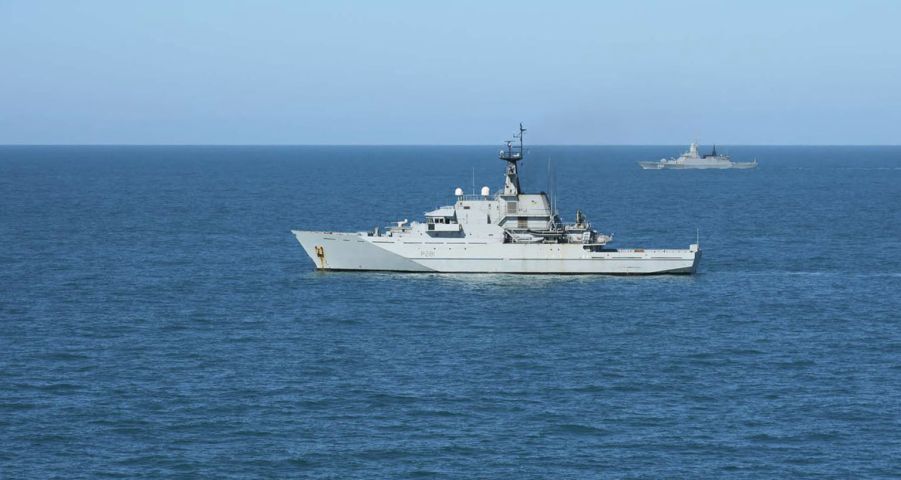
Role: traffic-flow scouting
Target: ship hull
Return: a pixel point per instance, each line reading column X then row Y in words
column 684, row 166
column 355, row 251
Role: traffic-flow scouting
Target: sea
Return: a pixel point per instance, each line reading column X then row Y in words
column 159, row 320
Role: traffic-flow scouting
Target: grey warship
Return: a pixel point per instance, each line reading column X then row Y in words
column 509, row 231
column 694, row 160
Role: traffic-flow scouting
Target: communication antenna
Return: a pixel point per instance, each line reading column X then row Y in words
column 549, row 176
column 549, row 193
column 519, row 136
column 473, row 180
column 554, row 189
column 522, row 153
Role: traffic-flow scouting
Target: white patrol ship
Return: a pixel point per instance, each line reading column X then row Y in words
column 693, row 160
column 506, row 232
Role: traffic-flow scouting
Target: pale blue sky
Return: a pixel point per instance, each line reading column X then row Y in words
column 450, row 72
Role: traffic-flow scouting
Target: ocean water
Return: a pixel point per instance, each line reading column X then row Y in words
column 158, row 319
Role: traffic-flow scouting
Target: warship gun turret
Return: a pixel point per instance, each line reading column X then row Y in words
column 509, row 231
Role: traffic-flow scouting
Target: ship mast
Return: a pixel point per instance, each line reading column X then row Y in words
column 512, row 155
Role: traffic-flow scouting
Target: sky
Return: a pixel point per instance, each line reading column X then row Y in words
column 450, row 72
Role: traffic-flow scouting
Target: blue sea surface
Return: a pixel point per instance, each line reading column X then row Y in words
column 158, row 319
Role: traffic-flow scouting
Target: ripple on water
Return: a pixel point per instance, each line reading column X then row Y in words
column 173, row 328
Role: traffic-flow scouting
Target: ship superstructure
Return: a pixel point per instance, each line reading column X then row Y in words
column 694, row 160
column 509, row 231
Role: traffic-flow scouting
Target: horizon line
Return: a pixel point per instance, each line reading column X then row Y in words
column 439, row 144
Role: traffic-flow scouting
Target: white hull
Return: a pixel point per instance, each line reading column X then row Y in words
column 357, row 251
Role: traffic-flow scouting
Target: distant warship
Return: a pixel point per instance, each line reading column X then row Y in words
column 506, row 232
column 691, row 159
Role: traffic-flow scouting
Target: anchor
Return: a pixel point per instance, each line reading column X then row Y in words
column 320, row 253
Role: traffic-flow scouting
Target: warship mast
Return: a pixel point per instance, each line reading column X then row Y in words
column 512, row 155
